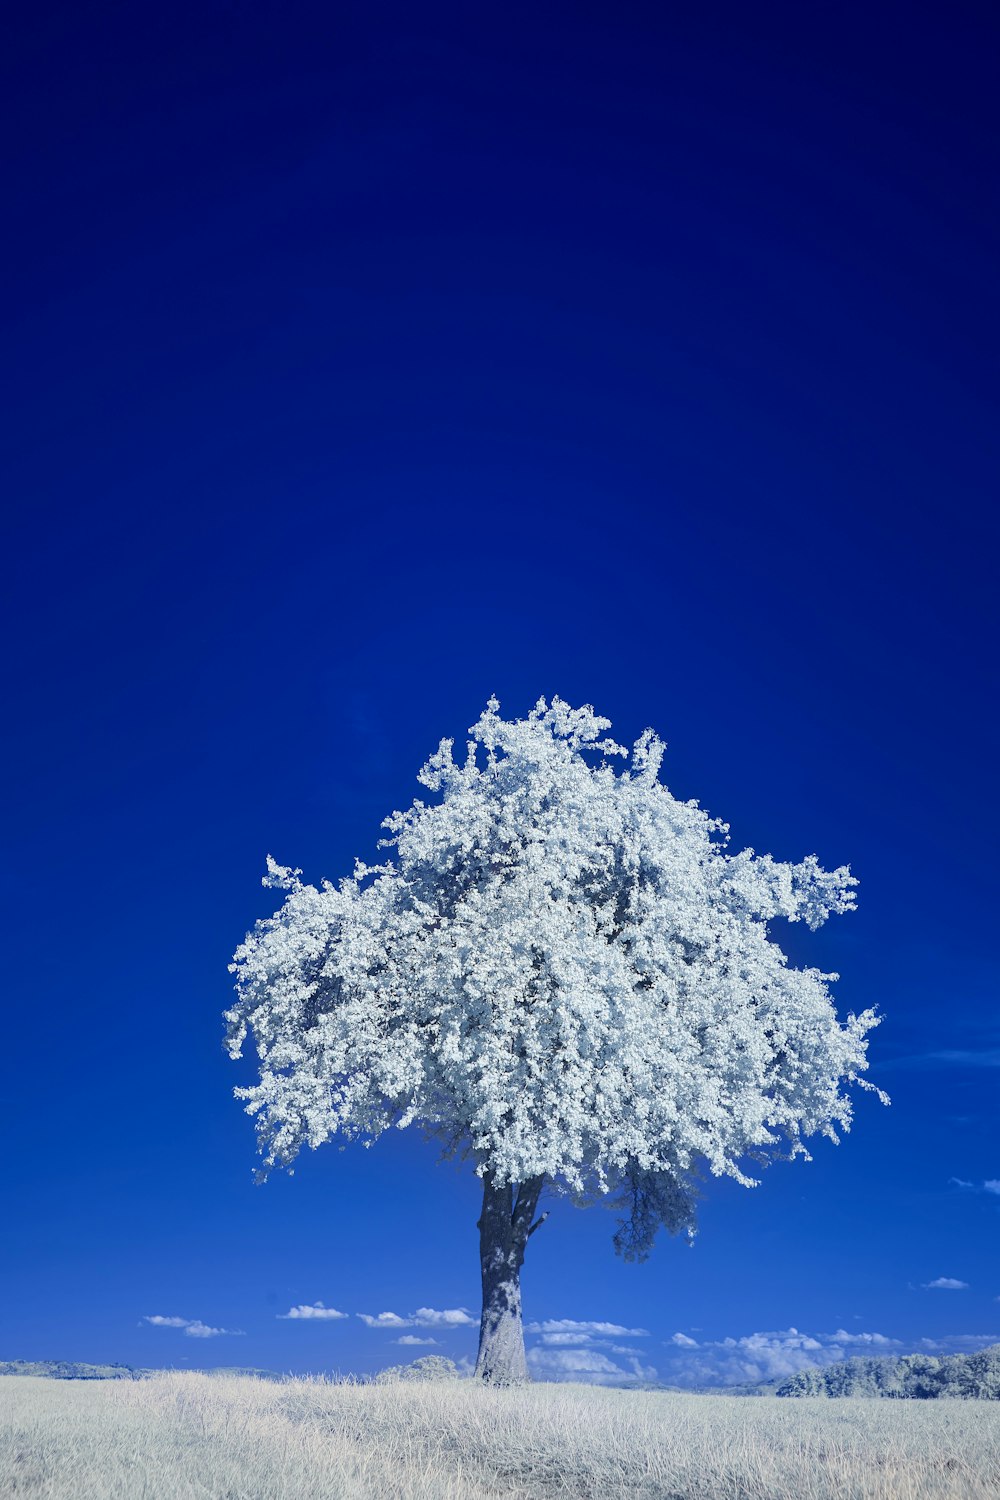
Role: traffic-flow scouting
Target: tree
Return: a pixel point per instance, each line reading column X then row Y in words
column 911, row 1377
column 561, row 974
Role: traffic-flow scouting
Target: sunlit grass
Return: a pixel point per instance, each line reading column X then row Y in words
column 190, row 1437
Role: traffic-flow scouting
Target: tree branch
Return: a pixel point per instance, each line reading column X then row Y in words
column 537, row 1224
column 528, row 1194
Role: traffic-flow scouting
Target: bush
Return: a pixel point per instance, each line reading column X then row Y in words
column 430, row 1367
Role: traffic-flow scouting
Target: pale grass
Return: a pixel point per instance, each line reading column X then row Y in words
column 201, row 1437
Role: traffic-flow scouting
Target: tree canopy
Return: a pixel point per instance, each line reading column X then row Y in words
column 919, row 1377
column 559, row 970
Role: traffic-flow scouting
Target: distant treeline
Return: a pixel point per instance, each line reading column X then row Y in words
column 67, row 1369
column 913, row 1377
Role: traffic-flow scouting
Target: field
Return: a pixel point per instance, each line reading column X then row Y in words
column 201, row 1437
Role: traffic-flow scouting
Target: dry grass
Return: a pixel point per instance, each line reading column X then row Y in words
column 191, row 1437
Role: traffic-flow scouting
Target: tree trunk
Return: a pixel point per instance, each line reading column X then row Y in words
column 504, row 1227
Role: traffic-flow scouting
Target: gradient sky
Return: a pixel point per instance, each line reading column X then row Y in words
column 362, row 361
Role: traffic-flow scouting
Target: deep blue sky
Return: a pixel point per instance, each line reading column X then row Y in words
column 362, row 361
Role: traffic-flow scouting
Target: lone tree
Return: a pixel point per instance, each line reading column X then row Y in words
column 560, row 973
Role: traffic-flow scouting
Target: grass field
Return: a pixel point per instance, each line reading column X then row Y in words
column 191, row 1437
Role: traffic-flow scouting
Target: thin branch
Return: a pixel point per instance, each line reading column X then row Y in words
column 537, row 1224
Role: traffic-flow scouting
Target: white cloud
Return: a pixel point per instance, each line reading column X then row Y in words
column 573, row 1361
column 448, row 1317
column 588, row 1366
column 424, row 1317
column 411, row 1338
column 960, row 1343
column 946, row 1284
column 962, row 1057
column 314, row 1310
column 873, row 1339
column 579, row 1349
column 199, row 1330
column 193, row 1328
column 572, row 1326
column 763, row 1356
column 991, row 1185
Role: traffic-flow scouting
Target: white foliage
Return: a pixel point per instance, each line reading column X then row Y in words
column 559, row 970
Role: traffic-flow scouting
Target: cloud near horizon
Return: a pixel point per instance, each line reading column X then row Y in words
column 562, row 1330
column 193, row 1328
column 770, row 1356
column 946, row 1284
column 758, row 1357
column 587, row 1367
column 961, row 1343
column 579, row 1349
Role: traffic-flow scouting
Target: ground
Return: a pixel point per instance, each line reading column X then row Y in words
column 179, row 1436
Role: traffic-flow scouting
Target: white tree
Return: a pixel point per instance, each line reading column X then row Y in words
column 561, row 973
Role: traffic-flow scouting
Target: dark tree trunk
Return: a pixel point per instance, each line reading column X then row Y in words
column 504, row 1227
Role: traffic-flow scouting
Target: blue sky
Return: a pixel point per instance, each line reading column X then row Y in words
column 364, row 363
